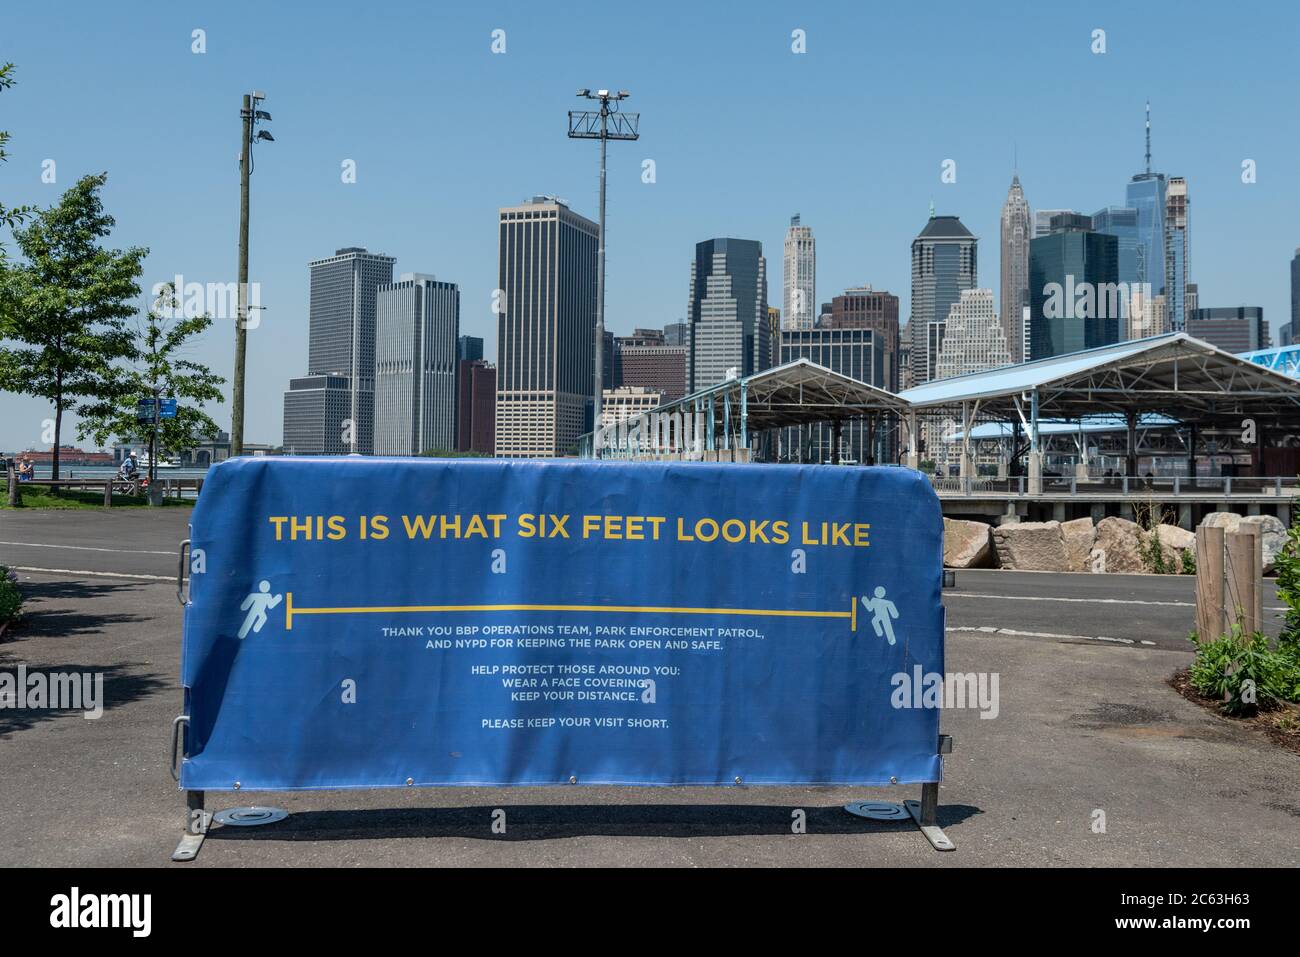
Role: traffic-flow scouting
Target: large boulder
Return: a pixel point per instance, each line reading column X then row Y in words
column 1118, row 546
column 1079, row 535
column 1031, row 546
column 1173, row 542
column 966, row 544
column 1272, row 532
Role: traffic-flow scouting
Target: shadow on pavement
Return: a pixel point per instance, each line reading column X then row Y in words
column 120, row 687
column 541, row 822
column 41, row 620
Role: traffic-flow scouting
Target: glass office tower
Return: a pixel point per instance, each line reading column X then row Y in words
column 1122, row 223
column 1146, row 195
column 1074, row 290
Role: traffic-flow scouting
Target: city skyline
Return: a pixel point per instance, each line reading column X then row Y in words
column 865, row 207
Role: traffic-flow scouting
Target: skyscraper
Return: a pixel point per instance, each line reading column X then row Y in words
column 1043, row 220
column 774, row 334
column 1016, row 232
column 1146, row 316
column 1176, row 251
column 546, row 328
column 476, row 398
column 943, row 264
column 1146, row 193
column 973, row 340
column 316, row 415
column 1074, row 290
column 727, row 311
column 340, row 346
column 1232, row 328
column 800, row 302
column 417, row 325
column 1122, row 223
column 644, row 360
column 863, row 307
column 469, row 348
column 1292, row 329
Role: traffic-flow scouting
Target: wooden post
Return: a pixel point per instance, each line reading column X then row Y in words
column 1209, row 582
column 1243, row 586
column 108, row 493
column 12, row 475
column 1257, row 579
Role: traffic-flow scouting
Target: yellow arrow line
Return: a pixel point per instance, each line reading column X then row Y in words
column 290, row 611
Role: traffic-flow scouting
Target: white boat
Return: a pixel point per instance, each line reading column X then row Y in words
column 142, row 460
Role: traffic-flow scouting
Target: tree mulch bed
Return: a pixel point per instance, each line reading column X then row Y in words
column 1281, row 724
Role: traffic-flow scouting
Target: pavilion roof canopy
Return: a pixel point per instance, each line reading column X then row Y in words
column 795, row 393
column 1175, row 375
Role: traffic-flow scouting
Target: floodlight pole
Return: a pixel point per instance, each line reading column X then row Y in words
column 599, row 383
column 581, row 127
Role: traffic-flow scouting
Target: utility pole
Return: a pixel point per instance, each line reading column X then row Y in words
column 153, row 440
column 249, row 115
column 583, row 125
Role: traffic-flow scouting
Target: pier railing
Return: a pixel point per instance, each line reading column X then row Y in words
column 1120, row 486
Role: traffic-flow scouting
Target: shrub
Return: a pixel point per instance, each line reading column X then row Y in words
column 11, row 596
column 1224, row 665
column 1287, row 565
column 1148, row 517
column 1189, row 561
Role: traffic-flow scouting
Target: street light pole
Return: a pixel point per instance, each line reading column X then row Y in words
column 599, row 385
column 249, row 115
column 582, row 125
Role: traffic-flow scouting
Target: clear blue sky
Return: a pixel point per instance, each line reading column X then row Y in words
column 744, row 133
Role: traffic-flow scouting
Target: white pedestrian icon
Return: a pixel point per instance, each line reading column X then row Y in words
column 882, row 611
column 259, row 603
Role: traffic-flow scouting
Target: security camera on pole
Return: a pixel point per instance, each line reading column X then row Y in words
column 606, row 124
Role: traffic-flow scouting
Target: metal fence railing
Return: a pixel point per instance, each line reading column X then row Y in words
column 1175, row 486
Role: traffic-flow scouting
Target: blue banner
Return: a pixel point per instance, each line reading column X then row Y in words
column 370, row 622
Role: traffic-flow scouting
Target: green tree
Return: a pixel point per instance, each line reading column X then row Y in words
column 10, row 216
column 441, row 453
column 64, row 309
column 159, row 369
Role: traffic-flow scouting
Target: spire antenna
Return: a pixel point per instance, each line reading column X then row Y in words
column 1148, row 137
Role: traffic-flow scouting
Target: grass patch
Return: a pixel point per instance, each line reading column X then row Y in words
column 42, row 496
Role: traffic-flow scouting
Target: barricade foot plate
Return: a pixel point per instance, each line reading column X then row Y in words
column 933, row 833
column 188, row 848
column 877, row 810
